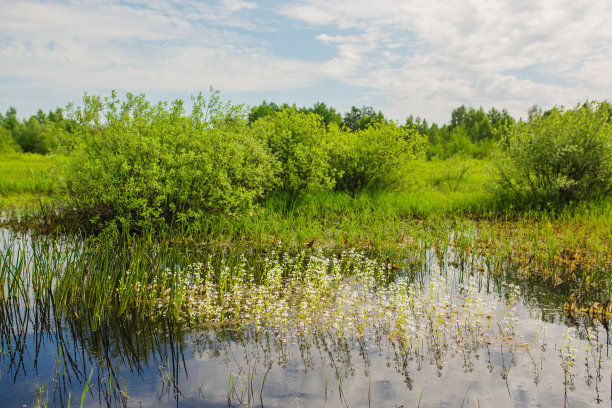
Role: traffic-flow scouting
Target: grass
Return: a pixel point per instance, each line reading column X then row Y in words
column 24, row 178
column 451, row 206
column 181, row 276
column 304, row 293
column 326, row 262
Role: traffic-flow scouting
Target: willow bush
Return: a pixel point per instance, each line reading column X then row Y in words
column 136, row 164
column 377, row 158
column 301, row 144
column 559, row 157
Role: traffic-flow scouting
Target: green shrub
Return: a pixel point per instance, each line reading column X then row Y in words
column 137, row 164
column 299, row 141
column 557, row 158
column 459, row 144
column 7, row 143
column 376, row 158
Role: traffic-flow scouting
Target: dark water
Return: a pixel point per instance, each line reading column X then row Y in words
column 544, row 359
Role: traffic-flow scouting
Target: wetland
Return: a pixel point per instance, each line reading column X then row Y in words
column 157, row 258
column 280, row 327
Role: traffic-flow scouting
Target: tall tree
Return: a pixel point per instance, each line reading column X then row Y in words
column 361, row 118
column 329, row 115
column 263, row 110
column 10, row 121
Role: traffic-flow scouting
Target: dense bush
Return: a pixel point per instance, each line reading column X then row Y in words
column 139, row 164
column 300, row 143
column 315, row 157
column 376, row 158
column 558, row 157
column 7, row 143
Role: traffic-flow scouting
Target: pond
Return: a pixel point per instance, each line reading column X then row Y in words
column 305, row 330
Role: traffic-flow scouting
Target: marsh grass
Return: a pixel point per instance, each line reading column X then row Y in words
column 283, row 291
column 574, row 250
column 25, row 174
column 573, row 245
column 301, row 297
column 121, row 300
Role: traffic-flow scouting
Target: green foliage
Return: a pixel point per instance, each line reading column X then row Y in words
column 41, row 133
column 376, row 158
column 32, row 137
column 315, row 157
column 459, row 143
column 263, row 110
column 471, row 132
column 558, row 157
column 361, row 118
column 327, row 114
column 138, row 164
column 7, row 143
column 9, row 121
column 300, row 143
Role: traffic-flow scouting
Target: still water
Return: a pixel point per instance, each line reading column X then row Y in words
column 487, row 340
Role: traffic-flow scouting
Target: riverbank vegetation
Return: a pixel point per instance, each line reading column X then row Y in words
column 284, row 225
column 306, row 178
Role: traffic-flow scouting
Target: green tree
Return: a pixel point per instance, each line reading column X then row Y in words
column 458, row 116
column 29, row 136
column 263, row 110
column 328, row 115
column 361, row 118
column 7, row 143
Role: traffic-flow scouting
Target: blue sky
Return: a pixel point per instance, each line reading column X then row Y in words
column 420, row 57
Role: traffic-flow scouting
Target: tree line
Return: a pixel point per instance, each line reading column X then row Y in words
column 41, row 133
column 131, row 162
column 470, row 131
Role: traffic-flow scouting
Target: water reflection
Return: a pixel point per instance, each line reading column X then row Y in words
column 134, row 362
column 476, row 338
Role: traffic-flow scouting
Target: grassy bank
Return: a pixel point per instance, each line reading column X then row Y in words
column 24, row 179
column 451, row 208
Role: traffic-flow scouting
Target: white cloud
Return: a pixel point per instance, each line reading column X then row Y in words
column 417, row 57
column 460, row 50
column 149, row 47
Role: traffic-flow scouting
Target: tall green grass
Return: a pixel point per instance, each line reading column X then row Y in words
column 451, row 195
column 23, row 177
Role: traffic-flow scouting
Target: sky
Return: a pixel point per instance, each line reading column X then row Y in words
column 417, row 57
